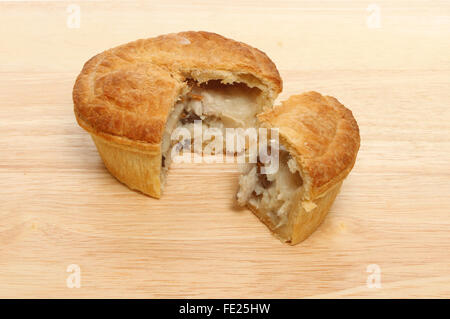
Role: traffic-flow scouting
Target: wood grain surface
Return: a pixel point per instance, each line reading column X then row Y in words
column 59, row 206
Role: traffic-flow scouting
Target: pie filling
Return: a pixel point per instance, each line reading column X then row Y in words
column 218, row 106
column 273, row 195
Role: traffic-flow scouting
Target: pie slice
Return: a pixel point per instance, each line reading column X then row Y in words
column 319, row 140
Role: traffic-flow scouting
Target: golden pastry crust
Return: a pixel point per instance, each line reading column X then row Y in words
column 321, row 134
column 128, row 91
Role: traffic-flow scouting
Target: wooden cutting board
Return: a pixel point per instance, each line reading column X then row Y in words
column 60, row 207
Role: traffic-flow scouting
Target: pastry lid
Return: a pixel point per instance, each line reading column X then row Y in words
column 128, row 92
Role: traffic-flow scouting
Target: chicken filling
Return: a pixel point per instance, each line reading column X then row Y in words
column 273, row 194
column 218, row 106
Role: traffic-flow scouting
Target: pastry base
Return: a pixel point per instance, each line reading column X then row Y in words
column 301, row 222
column 139, row 170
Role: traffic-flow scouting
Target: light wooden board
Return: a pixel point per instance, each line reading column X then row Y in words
column 59, row 206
